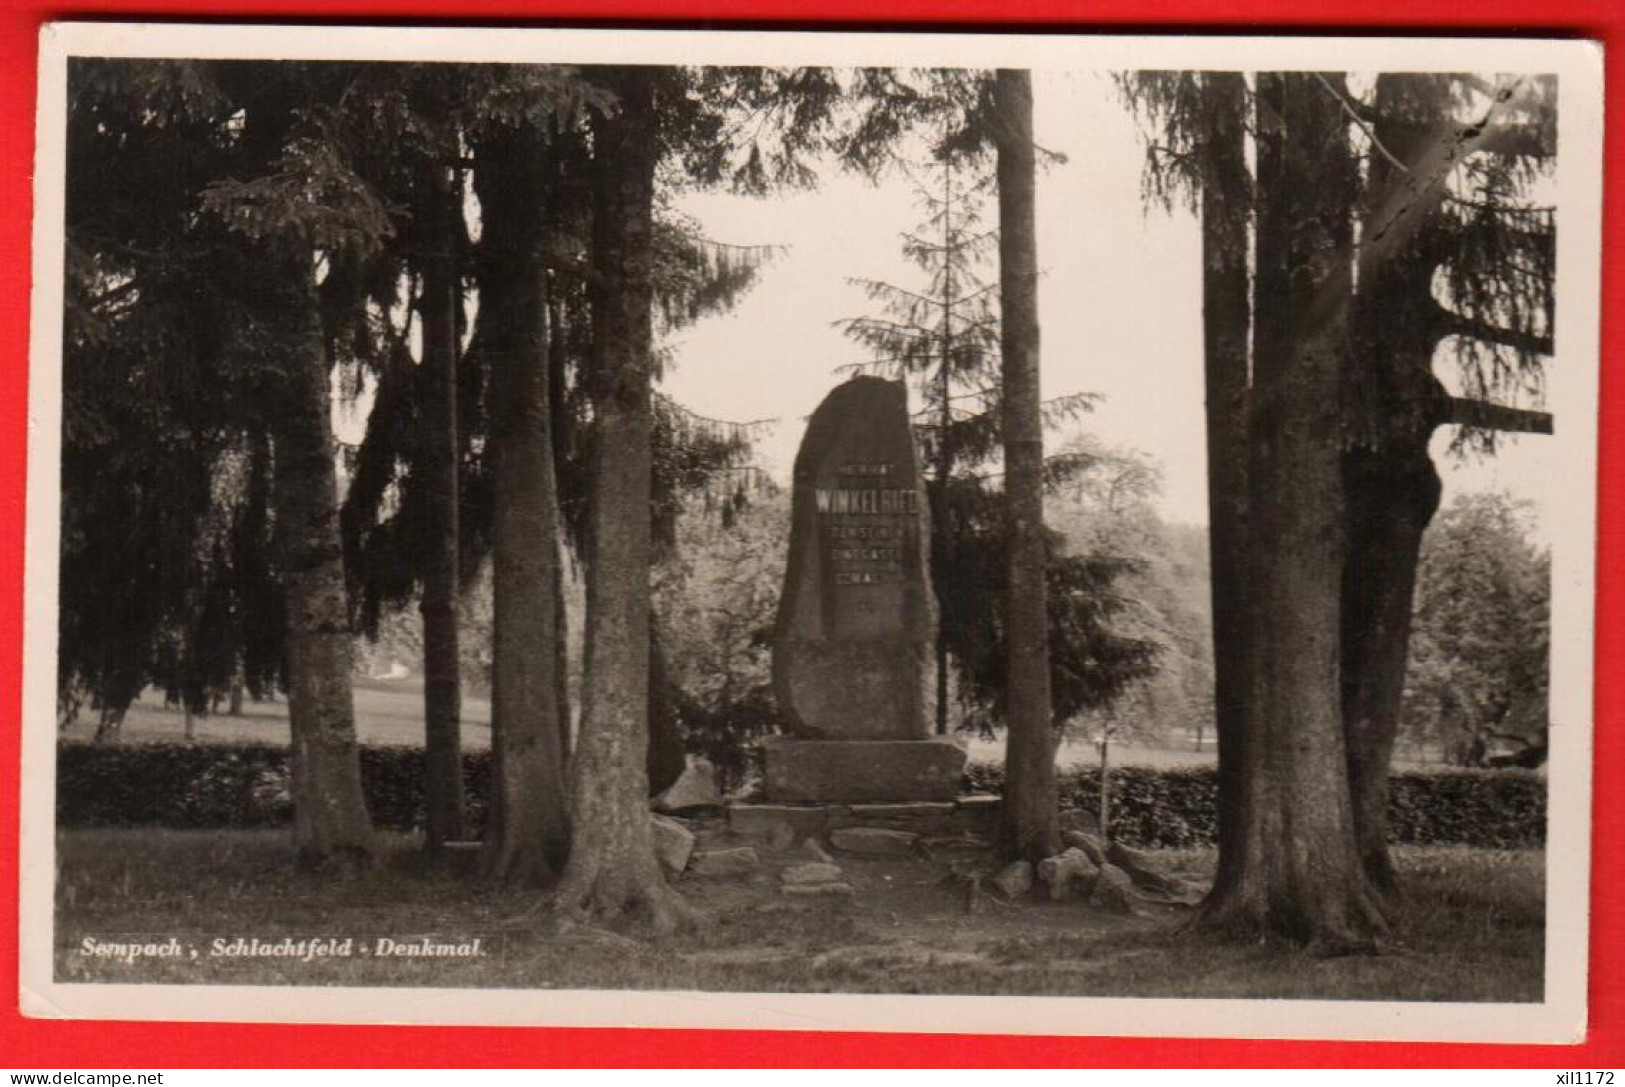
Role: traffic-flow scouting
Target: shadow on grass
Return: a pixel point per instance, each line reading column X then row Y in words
column 1472, row 930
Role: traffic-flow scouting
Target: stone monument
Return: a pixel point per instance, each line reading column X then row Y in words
column 853, row 661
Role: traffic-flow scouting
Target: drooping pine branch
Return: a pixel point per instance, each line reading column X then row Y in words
column 1483, row 415
column 1520, row 340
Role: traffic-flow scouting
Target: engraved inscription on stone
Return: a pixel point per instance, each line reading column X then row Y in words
column 848, row 513
column 857, row 618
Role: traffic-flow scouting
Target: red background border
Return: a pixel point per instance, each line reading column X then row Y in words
column 44, row 1043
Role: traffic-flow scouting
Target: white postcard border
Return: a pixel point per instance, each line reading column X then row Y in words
column 1572, row 398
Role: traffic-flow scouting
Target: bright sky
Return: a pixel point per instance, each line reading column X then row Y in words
column 1120, row 306
column 1120, row 302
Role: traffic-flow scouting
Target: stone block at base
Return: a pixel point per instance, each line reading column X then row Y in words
column 764, row 820
column 861, row 771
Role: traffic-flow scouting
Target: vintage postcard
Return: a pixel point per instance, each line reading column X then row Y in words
column 950, row 533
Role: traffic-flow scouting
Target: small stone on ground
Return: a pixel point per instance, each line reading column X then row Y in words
column 1015, row 879
column 761, row 821
column 673, row 843
column 723, row 862
column 1113, row 891
column 1087, row 842
column 1066, row 871
column 696, row 788
column 1141, row 867
column 810, row 873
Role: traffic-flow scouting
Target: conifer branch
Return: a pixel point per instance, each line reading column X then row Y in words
column 1482, row 414
column 1361, row 123
column 1454, row 324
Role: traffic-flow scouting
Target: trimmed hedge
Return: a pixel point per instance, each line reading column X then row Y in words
column 176, row 785
column 1500, row 809
column 234, row 786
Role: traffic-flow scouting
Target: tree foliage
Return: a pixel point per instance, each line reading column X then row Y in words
column 166, row 518
column 1159, row 604
column 1478, row 674
column 716, row 598
column 943, row 338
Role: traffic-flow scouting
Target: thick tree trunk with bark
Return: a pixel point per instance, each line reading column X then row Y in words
column 613, row 870
column 527, row 837
column 666, row 758
column 1027, row 815
column 330, row 815
column 440, row 223
column 1105, row 787
column 558, row 364
column 1393, row 493
column 939, row 531
column 1298, row 872
column 1226, row 315
column 945, row 452
column 1392, row 486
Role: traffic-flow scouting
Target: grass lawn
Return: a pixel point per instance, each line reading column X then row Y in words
column 388, row 713
column 1472, row 931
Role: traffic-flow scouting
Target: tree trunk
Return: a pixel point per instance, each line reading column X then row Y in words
column 945, row 456
column 440, row 223
column 1298, row 872
column 1393, row 488
column 1226, row 312
column 527, row 836
column 558, row 363
column 1393, row 493
column 612, row 869
column 110, row 725
column 1027, row 815
column 939, row 532
column 666, row 758
column 1105, row 787
column 330, row 814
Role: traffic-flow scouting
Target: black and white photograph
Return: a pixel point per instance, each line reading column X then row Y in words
column 1064, row 534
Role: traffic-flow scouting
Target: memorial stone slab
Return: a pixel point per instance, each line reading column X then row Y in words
column 857, row 619
column 853, row 653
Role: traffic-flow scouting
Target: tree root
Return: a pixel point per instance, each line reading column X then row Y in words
column 1387, row 896
column 1227, row 916
column 1243, row 915
column 567, row 926
column 592, row 896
